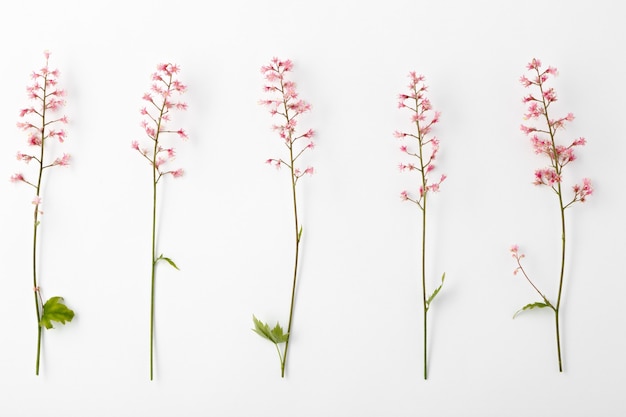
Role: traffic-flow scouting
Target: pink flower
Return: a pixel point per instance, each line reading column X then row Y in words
column 24, row 157
column 63, row 161
column 182, row 134
column 17, row 177
column 36, row 200
column 177, row 173
column 546, row 177
column 581, row 192
column 534, row 64
column 404, row 195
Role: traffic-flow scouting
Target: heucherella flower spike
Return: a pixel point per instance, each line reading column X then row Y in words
column 41, row 125
column 422, row 148
column 161, row 100
column 543, row 138
column 288, row 106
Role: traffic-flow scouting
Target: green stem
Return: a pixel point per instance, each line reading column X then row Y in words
column 153, row 272
column 558, row 169
column 422, row 206
column 36, row 225
column 424, row 285
column 295, row 263
column 156, row 176
column 561, row 276
column 297, row 238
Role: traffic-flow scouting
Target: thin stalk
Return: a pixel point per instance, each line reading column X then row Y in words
column 558, row 169
column 422, row 206
column 155, row 180
column 36, row 225
column 153, row 272
column 424, row 284
column 297, row 236
column 562, row 274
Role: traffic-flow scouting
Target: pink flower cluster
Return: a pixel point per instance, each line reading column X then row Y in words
column 424, row 119
column 161, row 101
column 543, row 137
column 289, row 106
column 518, row 258
column 39, row 124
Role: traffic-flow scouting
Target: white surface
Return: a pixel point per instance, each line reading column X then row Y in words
column 356, row 345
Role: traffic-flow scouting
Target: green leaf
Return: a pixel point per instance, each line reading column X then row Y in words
column 299, row 233
column 274, row 335
column 531, row 306
column 278, row 335
column 262, row 329
column 168, row 260
column 434, row 294
column 55, row 310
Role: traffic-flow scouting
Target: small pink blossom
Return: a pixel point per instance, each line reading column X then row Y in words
column 546, row 176
column 404, row 195
column 581, row 192
column 182, row 134
column 17, row 177
column 177, row 173
column 62, row 161
column 24, row 157
column 37, row 200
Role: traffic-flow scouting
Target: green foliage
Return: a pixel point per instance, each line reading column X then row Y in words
column 168, row 260
column 275, row 335
column 532, row 306
column 55, row 310
column 434, row 294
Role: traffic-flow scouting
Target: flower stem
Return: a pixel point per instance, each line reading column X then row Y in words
column 156, row 176
column 36, row 289
column 558, row 167
column 562, row 274
column 153, row 272
column 424, row 285
column 422, row 206
column 295, row 263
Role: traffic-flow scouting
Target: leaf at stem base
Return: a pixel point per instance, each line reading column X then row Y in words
column 55, row 310
column 275, row 335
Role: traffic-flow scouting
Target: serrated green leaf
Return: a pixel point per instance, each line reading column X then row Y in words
column 168, row 260
column 275, row 335
column 278, row 335
column 434, row 294
column 262, row 329
column 55, row 310
column 531, row 306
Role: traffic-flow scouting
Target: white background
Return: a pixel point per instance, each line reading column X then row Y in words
column 356, row 342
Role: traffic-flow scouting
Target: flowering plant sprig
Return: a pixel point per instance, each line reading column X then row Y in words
column 422, row 149
column 286, row 104
column 160, row 102
column 41, row 126
column 543, row 141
